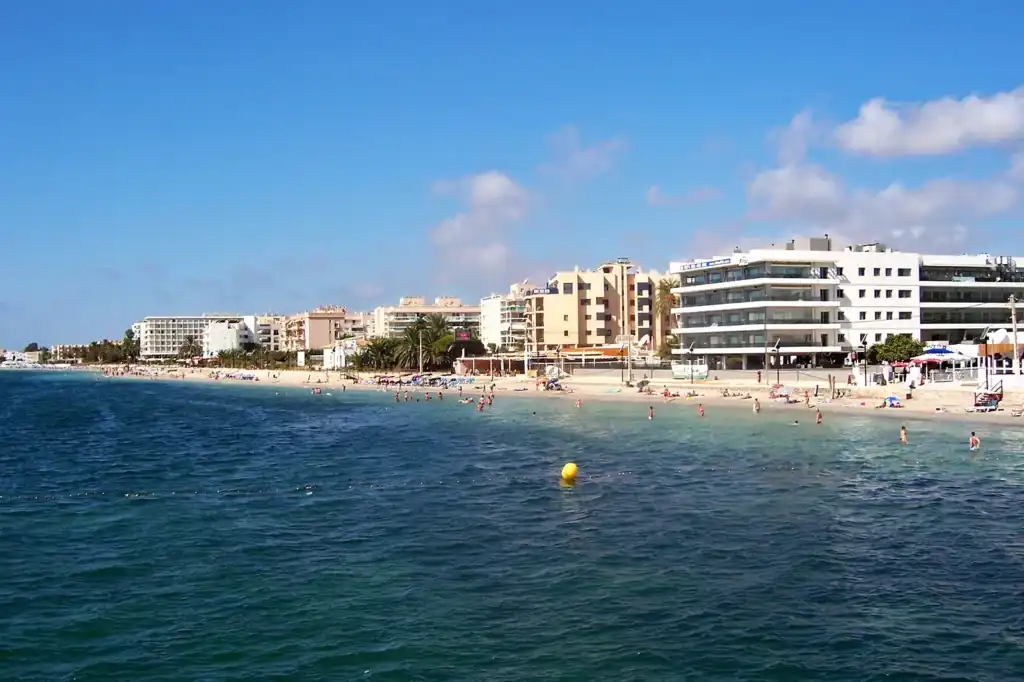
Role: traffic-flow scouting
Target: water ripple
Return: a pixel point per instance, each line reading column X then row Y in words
column 167, row 531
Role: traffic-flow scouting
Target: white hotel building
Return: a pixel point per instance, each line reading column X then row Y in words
column 805, row 302
column 161, row 336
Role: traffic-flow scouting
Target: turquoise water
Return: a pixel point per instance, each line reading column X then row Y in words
column 174, row 531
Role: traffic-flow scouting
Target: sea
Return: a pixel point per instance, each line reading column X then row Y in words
column 172, row 530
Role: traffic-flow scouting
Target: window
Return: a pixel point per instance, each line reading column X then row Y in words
column 903, row 272
column 586, row 317
column 888, row 314
column 584, row 301
column 877, row 271
column 861, row 293
column 863, row 338
column 904, row 293
column 839, row 293
column 878, row 337
column 842, row 338
column 863, row 315
column 878, row 293
column 888, row 293
column 567, row 288
column 566, row 332
column 860, row 272
column 888, row 272
column 565, row 318
column 878, row 314
column 841, row 315
column 904, row 315
column 839, row 272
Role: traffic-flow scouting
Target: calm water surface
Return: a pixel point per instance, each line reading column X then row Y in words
column 171, row 531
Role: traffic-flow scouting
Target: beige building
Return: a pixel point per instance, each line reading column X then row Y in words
column 267, row 330
column 66, row 351
column 319, row 328
column 608, row 305
column 394, row 320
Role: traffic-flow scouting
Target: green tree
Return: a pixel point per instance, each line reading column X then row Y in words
column 130, row 346
column 896, row 348
column 665, row 349
column 189, row 348
column 31, row 348
column 664, row 302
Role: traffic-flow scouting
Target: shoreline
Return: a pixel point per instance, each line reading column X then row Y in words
column 943, row 403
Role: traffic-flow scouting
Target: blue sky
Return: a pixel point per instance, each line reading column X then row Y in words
column 183, row 157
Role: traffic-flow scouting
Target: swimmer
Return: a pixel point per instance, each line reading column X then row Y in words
column 796, row 422
column 650, row 412
column 903, row 435
column 757, row 405
column 975, row 442
column 700, row 409
column 817, row 417
column 578, row 403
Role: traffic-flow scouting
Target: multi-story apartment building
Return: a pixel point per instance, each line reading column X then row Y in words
column 804, row 299
column 62, row 352
column 226, row 335
column 162, row 336
column 503, row 318
column 267, row 330
column 612, row 304
column 393, row 321
column 320, row 328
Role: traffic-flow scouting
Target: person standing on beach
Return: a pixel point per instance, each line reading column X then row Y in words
column 757, row 406
column 903, row 435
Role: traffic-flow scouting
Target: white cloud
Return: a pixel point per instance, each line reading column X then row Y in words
column 492, row 201
column 794, row 139
column 656, row 197
column 941, row 126
column 1016, row 171
column 933, row 214
column 574, row 162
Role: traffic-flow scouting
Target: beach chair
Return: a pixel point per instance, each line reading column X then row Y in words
column 1017, row 411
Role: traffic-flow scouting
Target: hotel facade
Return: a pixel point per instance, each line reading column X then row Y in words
column 162, row 336
column 321, row 328
column 611, row 304
column 503, row 318
column 393, row 321
column 805, row 300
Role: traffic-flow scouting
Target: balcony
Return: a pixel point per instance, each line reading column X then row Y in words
column 965, row 277
column 762, row 297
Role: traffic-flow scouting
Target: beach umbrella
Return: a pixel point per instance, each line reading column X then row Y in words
column 939, row 350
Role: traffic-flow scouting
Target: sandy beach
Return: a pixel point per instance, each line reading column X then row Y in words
column 936, row 401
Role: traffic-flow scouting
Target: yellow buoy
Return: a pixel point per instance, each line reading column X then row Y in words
column 569, row 472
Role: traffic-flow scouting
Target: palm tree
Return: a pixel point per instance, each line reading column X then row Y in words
column 664, row 302
column 190, row 348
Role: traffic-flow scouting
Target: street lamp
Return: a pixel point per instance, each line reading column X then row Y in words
column 690, row 352
column 778, row 362
column 864, row 359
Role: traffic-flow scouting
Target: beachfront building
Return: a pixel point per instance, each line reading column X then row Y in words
column 810, row 302
column 613, row 304
column 315, row 329
column 225, row 336
column 393, row 321
column 64, row 352
column 267, row 330
column 503, row 318
column 162, row 336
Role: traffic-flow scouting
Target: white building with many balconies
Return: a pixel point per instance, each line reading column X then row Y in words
column 503, row 318
column 805, row 301
column 162, row 336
